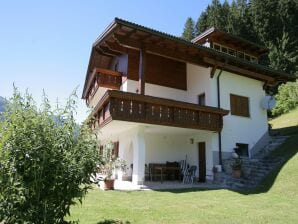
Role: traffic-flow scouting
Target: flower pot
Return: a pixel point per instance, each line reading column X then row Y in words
column 236, row 173
column 109, row 184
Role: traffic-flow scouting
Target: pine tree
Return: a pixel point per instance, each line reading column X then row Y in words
column 283, row 55
column 214, row 15
column 266, row 21
column 225, row 14
column 201, row 24
column 189, row 29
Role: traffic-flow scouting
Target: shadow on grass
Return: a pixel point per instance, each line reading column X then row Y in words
column 292, row 130
column 111, row 221
column 286, row 151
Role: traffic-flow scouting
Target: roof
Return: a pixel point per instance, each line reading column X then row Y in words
column 132, row 31
column 214, row 32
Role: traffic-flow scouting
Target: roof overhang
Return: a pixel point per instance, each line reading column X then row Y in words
column 121, row 36
column 213, row 34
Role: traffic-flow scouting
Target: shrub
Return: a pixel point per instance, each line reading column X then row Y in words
column 45, row 161
column 286, row 98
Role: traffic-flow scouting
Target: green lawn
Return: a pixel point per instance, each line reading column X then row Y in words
column 276, row 201
column 287, row 123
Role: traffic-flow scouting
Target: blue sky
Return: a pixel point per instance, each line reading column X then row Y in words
column 46, row 44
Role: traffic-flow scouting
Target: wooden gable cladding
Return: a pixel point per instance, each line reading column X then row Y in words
column 133, row 64
column 159, row 70
column 166, row 72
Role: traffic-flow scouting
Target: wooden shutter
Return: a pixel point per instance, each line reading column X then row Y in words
column 239, row 105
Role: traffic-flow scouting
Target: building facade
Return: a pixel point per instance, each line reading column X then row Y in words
column 161, row 99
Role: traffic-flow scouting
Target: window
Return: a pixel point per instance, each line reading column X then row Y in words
column 247, row 57
column 241, row 149
column 224, row 49
column 240, row 55
column 201, row 99
column 239, row 105
column 216, row 47
column 231, row 52
column 253, row 59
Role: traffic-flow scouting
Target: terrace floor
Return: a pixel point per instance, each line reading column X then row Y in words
column 157, row 185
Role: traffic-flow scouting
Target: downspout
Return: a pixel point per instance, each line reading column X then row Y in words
column 218, row 106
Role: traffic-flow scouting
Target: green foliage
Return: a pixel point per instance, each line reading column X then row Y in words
column 109, row 162
column 45, row 162
column 286, row 99
column 201, row 24
column 283, row 54
column 189, row 29
column 236, row 164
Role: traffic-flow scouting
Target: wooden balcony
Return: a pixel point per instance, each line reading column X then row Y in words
column 131, row 107
column 103, row 78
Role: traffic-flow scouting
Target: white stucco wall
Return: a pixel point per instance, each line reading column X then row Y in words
column 166, row 146
column 97, row 96
column 198, row 82
column 238, row 129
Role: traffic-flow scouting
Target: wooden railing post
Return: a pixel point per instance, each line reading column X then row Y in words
column 116, row 105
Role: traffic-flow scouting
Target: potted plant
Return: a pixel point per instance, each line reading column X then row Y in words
column 236, row 166
column 109, row 165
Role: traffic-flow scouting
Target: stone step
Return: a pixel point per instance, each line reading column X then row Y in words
column 254, row 169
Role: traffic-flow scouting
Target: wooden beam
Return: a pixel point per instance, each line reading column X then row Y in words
column 98, row 50
column 213, row 71
column 116, row 47
column 130, row 33
column 238, row 70
column 142, row 74
column 161, row 51
column 109, row 51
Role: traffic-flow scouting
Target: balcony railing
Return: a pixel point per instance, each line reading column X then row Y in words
column 103, row 78
column 116, row 105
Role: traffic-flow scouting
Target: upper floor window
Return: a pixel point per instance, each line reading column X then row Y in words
column 201, row 99
column 233, row 52
column 239, row 105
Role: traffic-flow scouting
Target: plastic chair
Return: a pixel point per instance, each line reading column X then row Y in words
column 190, row 175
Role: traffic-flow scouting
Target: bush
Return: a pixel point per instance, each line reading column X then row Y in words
column 286, row 98
column 45, row 161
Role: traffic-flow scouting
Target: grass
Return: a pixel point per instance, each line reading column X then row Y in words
column 287, row 123
column 275, row 201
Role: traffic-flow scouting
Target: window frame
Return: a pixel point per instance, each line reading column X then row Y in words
column 234, row 98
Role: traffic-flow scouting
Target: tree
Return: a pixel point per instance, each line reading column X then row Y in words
column 286, row 99
column 189, row 29
column 201, row 24
column 45, row 162
column 283, row 55
column 266, row 22
column 214, row 15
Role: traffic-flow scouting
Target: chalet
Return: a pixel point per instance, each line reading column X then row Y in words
column 161, row 98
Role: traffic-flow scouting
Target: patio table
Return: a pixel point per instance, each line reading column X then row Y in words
column 164, row 168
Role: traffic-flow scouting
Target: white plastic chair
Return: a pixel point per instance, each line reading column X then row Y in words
column 190, row 175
